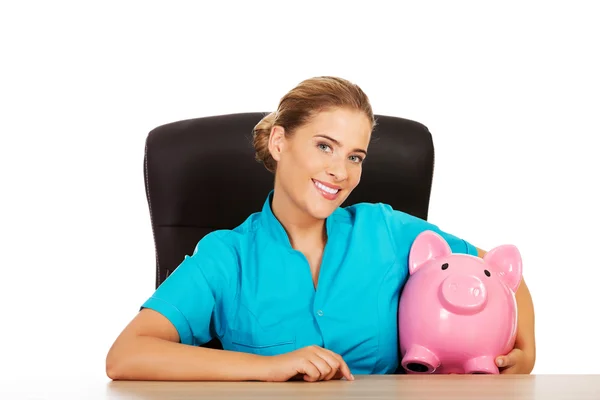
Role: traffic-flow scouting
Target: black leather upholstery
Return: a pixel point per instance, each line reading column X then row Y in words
column 201, row 175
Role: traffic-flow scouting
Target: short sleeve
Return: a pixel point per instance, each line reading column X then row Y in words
column 404, row 229
column 189, row 297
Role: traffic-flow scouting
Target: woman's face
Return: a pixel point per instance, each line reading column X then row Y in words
column 321, row 163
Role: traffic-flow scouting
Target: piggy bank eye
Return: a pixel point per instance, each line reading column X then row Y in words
column 486, row 272
column 444, row 266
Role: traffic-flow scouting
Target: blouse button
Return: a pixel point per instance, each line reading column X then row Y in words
column 320, row 313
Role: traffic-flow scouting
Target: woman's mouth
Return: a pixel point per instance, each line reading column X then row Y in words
column 327, row 191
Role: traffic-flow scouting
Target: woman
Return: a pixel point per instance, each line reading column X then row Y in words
column 303, row 289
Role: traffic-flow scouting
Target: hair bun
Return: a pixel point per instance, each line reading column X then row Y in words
column 261, row 134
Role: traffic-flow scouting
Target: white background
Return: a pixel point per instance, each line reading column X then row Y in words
column 510, row 93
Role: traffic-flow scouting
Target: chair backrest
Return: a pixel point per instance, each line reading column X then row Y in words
column 201, row 175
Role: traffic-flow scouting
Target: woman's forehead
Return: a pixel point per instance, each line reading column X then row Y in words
column 349, row 127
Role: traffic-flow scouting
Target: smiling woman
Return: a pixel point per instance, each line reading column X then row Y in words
column 304, row 288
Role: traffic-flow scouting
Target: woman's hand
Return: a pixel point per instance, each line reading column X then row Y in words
column 312, row 363
column 516, row 362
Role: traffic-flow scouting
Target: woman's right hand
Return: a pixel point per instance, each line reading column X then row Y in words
column 312, row 363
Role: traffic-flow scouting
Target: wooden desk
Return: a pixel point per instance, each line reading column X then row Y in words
column 397, row 387
column 456, row 387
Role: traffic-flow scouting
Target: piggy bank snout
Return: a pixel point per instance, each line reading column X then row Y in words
column 463, row 293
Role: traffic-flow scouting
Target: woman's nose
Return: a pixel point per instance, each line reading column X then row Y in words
column 338, row 170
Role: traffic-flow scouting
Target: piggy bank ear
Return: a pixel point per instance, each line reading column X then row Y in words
column 506, row 261
column 427, row 246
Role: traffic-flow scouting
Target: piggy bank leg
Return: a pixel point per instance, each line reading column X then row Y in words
column 481, row 365
column 419, row 359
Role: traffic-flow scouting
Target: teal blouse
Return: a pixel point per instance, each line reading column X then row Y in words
column 250, row 289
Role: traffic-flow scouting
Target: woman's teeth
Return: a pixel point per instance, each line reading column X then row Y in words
column 325, row 188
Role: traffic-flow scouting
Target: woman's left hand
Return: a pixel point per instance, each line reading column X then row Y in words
column 515, row 362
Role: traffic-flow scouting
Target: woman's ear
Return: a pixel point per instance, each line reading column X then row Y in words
column 276, row 142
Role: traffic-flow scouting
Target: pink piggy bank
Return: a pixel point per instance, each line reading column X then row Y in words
column 457, row 312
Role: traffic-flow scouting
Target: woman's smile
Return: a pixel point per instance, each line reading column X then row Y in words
column 328, row 191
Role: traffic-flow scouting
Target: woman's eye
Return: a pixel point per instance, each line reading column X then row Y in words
column 324, row 147
column 356, row 159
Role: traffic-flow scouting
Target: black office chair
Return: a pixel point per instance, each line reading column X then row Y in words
column 201, row 175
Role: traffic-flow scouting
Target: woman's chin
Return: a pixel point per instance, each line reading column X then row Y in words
column 322, row 209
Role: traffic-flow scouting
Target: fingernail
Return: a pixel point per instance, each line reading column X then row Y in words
column 352, row 376
column 500, row 362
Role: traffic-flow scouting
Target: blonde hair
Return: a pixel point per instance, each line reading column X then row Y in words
column 300, row 104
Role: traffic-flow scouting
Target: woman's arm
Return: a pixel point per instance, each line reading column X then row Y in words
column 525, row 340
column 159, row 343
column 149, row 349
column 526, row 323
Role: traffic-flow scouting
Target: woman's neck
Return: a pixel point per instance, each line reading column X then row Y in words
column 302, row 229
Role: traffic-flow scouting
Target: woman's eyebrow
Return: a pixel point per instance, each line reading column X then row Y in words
column 337, row 142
